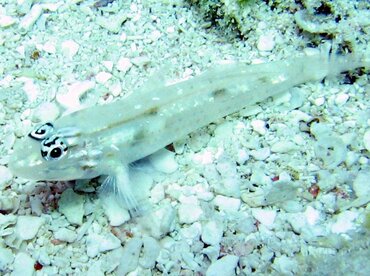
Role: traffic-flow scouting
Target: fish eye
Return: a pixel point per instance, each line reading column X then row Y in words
column 53, row 148
column 42, row 132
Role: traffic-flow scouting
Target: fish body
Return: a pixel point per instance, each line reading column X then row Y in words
column 105, row 139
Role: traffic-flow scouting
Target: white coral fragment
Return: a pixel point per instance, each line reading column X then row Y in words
column 112, row 23
column 103, row 77
column 124, row 64
column 130, row 256
column 115, row 213
column 64, row 234
column 227, row 204
column 28, row 226
column 223, row 266
column 265, row 217
column 6, row 257
column 330, row 148
column 30, row 18
column 71, row 205
column 150, row 252
column 45, row 112
column 5, row 177
column 69, row 48
column 366, row 140
column 344, row 222
column 189, row 213
column 97, row 243
column 23, row 264
column 6, row 21
column 69, row 96
column 212, row 232
column 164, row 161
column 266, row 42
column 361, row 184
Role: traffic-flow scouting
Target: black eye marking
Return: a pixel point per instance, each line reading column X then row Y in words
column 53, row 148
column 42, row 131
column 56, row 153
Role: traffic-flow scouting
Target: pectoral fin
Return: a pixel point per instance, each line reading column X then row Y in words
column 118, row 184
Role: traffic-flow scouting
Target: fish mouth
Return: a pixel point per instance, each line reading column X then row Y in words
column 25, row 159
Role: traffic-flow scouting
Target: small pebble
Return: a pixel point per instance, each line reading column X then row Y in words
column 108, row 64
column 23, row 265
column 103, row 77
column 141, row 61
column 150, row 252
column 161, row 221
column 98, row 243
column 298, row 115
column 266, row 42
column 188, row 199
column 191, row 232
column 115, row 89
column 281, row 191
column 5, row 177
column 24, row 6
column 31, row 90
column 344, row 222
column 319, row 101
column 312, row 215
column 157, row 193
column 255, row 199
column 283, row 147
column 6, row 21
column 227, row 204
column 49, row 47
column 363, row 160
column 112, row 23
column 212, row 232
column 164, row 161
column 330, row 149
column 130, row 256
column 341, row 99
column 261, row 154
column 242, row 156
column 6, row 257
column 69, row 48
column 224, row 266
column 115, row 213
column 10, row 203
column 259, row 126
column 72, row 206
column 189, row 213
column 28, row 226
column 351, row 158
column 124, row 64
column 30, row 18
column 36, row 205
column 64, row 234
column 366, row 140
column 265, row 217
column 69, row 96
column 212, row 252
column 45, row 112
column 284, row 265
column 204, row 157
column 361, row 184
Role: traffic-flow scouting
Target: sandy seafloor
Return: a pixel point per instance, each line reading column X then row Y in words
column 280, row 188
